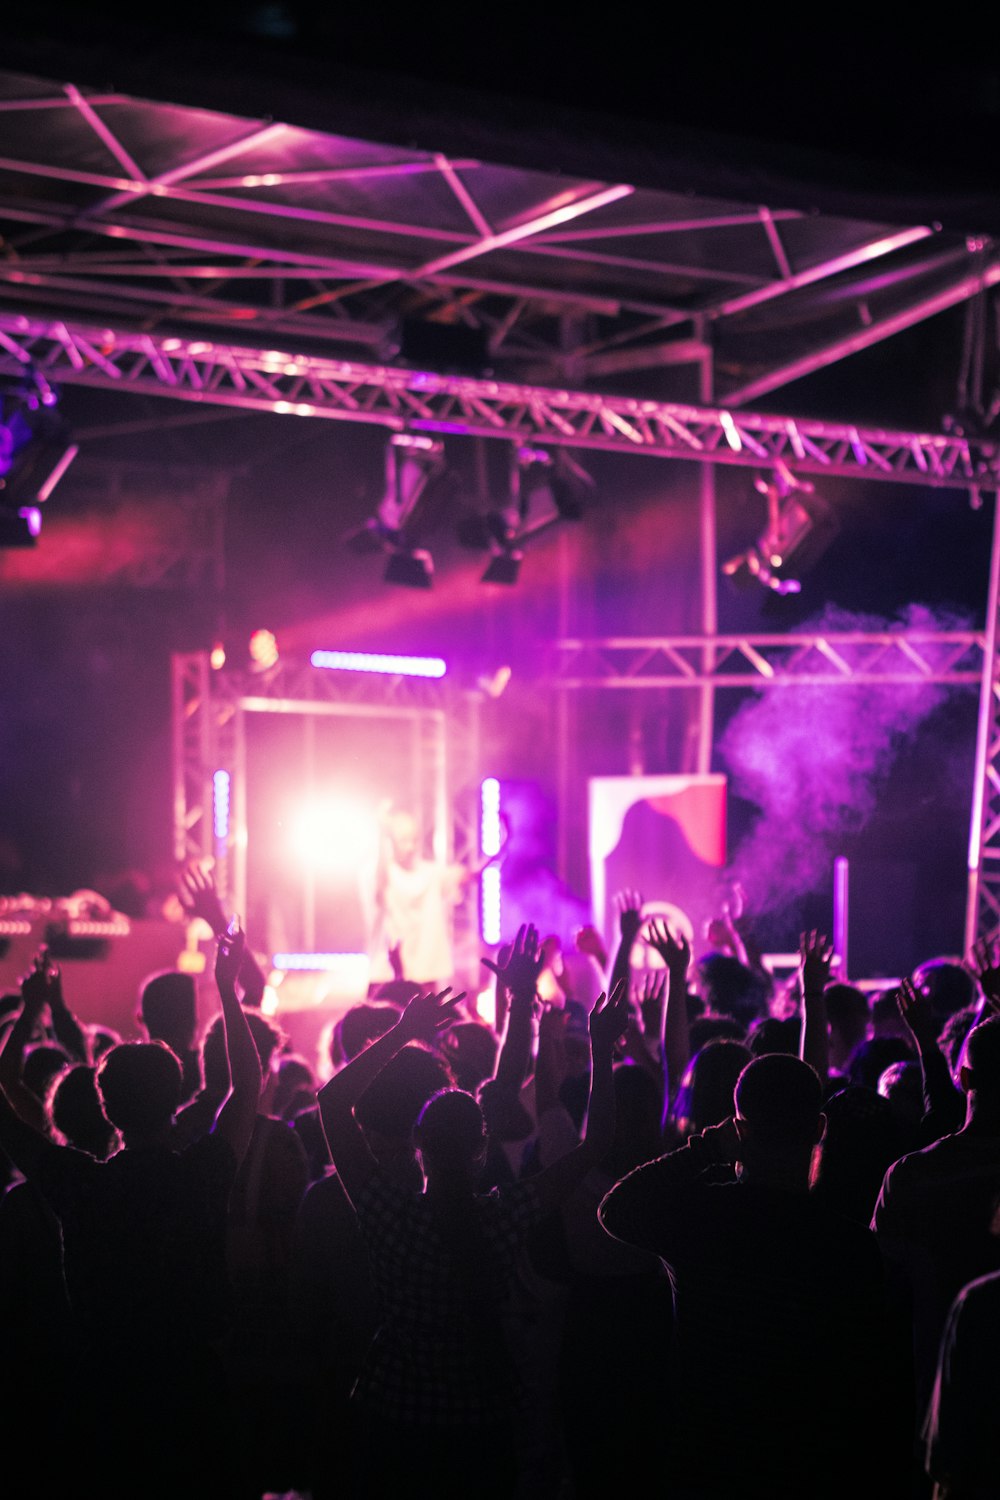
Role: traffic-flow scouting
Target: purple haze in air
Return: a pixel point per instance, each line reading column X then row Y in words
column 812, row 760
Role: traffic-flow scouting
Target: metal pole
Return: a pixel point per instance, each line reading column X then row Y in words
column 986, row 714
column 709, row 570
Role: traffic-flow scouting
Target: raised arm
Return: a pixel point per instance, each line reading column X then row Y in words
column 35, row 988
column 675, row 1040
column 200, row 898
column 608, row 1020
column 424, row 1016
column 629, row 904
column 22, row 1116
column 517, row 968
column 236, row 1118
column 944, row 1104
column 815, row 954
column 65, row 1027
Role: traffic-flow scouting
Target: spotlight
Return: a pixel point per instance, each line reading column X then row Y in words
column 414, row 570
column 800, row 527
column 505, row 567
column 20, row 528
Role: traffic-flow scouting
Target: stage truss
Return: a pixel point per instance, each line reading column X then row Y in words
column 198, row 370
column 210, row 710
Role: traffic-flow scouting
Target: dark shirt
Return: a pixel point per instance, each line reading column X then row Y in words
column 779, row 1332
column 144, row 1242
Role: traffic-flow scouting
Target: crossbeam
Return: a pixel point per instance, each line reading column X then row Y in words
column 863, row 658
column 194, row 369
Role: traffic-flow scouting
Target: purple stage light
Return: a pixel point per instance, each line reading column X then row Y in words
column 490, row 834
column 392, row 666
column 316, row 962
column 220, row 805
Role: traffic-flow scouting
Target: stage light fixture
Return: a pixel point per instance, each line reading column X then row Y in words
column 21, row 527
column 505, row 567
column 800, row 526
column 411, row 462
column 411, row 569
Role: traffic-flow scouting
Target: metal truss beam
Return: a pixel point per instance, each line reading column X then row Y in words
column 858, row 658
column 190, row 369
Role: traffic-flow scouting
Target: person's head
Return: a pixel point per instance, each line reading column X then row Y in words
column 168, row 1009
column 450, row 1135
column 42, row 1065
column 359, row 1026
column 947, row 984
column 75, row 1111
column 294, row 1087
column 707, row 1090
column 730, row 988
column 902, row 1083
column 870, row 1059
column 849, row 1018
column 779, row 1117
column 471, row 1049
column 980, row 1069
column 404, row 834
column 772, row 1035
column 140, row 1088
column 268, row 1039
column 389, row 1107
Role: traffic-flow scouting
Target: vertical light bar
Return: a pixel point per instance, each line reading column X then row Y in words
column 841, row 890
column 489, row 842
column 220, row 806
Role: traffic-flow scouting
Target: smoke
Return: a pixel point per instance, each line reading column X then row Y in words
column 813, row 759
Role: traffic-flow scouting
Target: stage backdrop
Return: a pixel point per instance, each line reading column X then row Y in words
column 664, row 836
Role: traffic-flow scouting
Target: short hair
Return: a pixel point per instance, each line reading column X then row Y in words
column 167, row 1001
column 780, row 1098
column 847, row 1007
column 359, row 1026
column 393, row 1101
column 75, row 1110
column 450, row 1128
column 140, row 1085
column 982, row 1056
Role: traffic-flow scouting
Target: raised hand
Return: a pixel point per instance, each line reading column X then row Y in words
column 629, row 907
column 815, row 957
column 426, row 1016
column 37, row 984
column 229, row 957
column 199, row 897
column 983, row 963
column 915, row 1013
column 520, row 971
column 675, row 951
column 608, row 1020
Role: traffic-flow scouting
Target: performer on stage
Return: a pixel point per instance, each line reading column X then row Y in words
column 414, row 900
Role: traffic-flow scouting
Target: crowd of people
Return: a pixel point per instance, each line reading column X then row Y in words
column 656, row 1222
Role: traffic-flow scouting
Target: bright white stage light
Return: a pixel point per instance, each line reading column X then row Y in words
column 392, row 666
column 328, row 834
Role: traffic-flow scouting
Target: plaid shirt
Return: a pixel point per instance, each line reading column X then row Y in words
column 438, row 1358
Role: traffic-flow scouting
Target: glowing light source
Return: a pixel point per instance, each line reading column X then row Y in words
column 490, row 835
column 367, row 661
column 263, row 650
column 217, row 658
column 220, row 805
column 327, row 834
column 317, row 962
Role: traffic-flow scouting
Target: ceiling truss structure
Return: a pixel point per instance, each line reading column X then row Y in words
column 420, row 400
column 156, row 216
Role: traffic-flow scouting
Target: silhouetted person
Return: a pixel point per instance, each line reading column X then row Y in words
column 779, row 1332
column 144, row 1254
